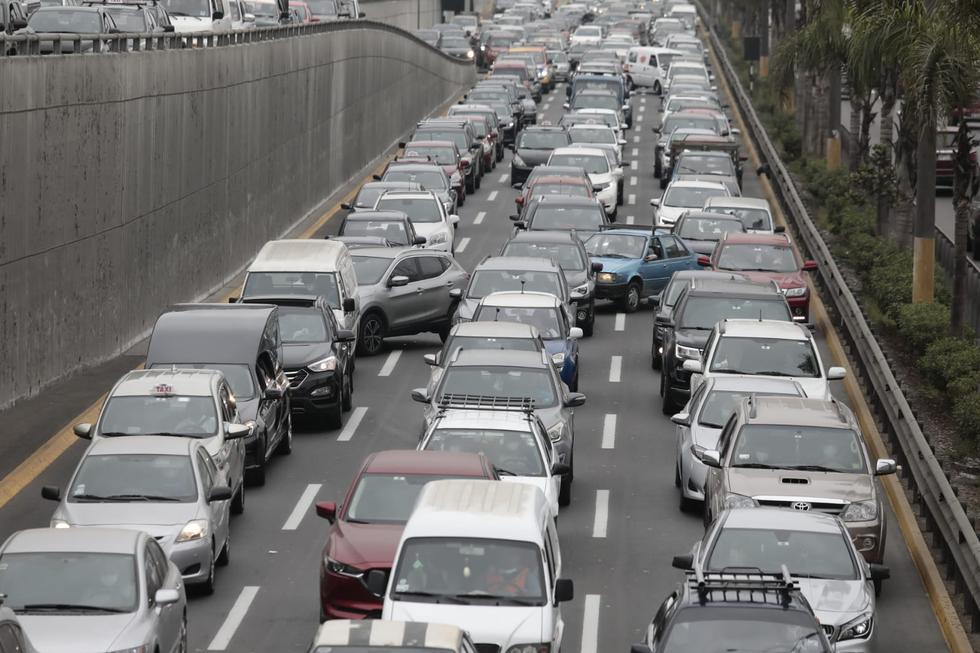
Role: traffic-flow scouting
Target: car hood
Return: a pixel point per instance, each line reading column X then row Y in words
column 486, row 624
column 363, row 545
column 534, row 157
column 576, row 278
column 302, row 354
column 691, row 337
column 191, row 24
column 784, row 279
column 617, row 265
column 701, row 246
column 67, row 633
column 835, row 601
column 805, row 485
column 705, row 436
column 602, row 178
column 154, row 518
column 670, row 214
column 467, row 307
column 248, row 408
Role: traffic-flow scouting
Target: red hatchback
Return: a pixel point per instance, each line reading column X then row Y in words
column 765, row 257
column 443, row 153
column 366, row 527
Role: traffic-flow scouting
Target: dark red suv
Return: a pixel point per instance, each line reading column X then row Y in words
column 365, row 528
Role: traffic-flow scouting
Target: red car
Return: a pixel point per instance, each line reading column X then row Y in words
column 366, row 527
column 765, row 257
column 443, row 153
column 549, row 185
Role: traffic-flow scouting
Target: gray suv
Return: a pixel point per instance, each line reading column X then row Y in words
column 403, row 292
column 510, row 273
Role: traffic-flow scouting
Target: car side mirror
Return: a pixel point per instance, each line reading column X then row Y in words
column 376, row 177
column 430, row 359
column 233, row 300
column 574, row 400
column 418, row 240
column 655, row 130
column 681, row 419
column 249, row 18
column 836, row 373
column 274, row 393
column 885, row 467
column 655, row 201
column 164, row 596
column 621, row 142
column 779, row 229
column 377, row 582
column 345, row 335
column 513, row 218
column 521, row 224
column 764, row 169
column 693, row 366
column 219, row 493
column 560, row 469
column 397, row 281
column 402, row 144
column 809, row 266
column 456, row 293
column 711, row 458
column 454, row 219
column 362, row 14
column 237, row 431
column 349, row 305
column 51, row 493
column 879, row 572
column 704, row 261
column 420, row 395
column 564, row 590
column 566, row 106
column 596, row 266
column 218, row 15
column 683, row 562
column 326, row 510
column 347, row 206
column 166, row 28
column 575, row 333
column 83, row 431
column 519, row 200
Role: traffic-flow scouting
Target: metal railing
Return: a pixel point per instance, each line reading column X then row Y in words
column 953, row 533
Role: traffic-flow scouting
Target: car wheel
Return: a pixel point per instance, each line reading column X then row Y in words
column 207, row 587
column 286, row 444
column 656, row 360
column 461, row 199
column 657, row 168
column 663, row 182
column 238, row 501
column 471, row 183
column 657, row 89
column 684, row 504
column 878, row 585
column 631, row 301
column 667, row 405
column 565, row 493
column 256, row 475
column 478, row 179
column 677, row 475
column 335, row 415
column 372, row 334
column 619, row 195
column 589, row 327
column 182, row 648
column 225, row 556
column 348, row 392
column 573, row 386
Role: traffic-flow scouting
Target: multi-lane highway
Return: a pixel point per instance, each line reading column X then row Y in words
column 617, row 537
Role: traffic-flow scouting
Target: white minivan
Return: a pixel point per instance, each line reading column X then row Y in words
column 646, row 66
column 484, row 556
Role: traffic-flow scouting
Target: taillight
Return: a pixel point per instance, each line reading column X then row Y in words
column 973, row 157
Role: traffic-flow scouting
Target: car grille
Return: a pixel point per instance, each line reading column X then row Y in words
column 828, row 630
column 364, row 575
column 794, row 503
column 487, row 648
column 296, row 377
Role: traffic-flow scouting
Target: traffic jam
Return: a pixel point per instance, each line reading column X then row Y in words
column 449, row 422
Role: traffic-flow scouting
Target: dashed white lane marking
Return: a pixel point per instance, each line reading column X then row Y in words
column 479, row 217
column 629, row 219
column 635, row 152
column 504, row 178
column 620, row 322
column 615, row 369
column 634, row 165
column 492, row 196
column 609, row 431
column 352, row 423
column 590, row 624
column 302, row 507
column 636, row 139
column 639, row 118
column 463, row 242
column 601, row 518
column 643, row 107
column 234, row 619
column 633, row 181
column 390, row 363
column 643, row 99
column 631, row 200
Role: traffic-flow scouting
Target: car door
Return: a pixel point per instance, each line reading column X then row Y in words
column 714, row 490
column 403, row 303
column 269, row 407
column 434, row 287
column 652, row 267
column 233, row 451
column 211, row 478
column 679, row 257
column 169, row 617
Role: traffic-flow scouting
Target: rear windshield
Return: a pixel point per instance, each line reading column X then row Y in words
column 705, row 312
column 487, row 281
column 290, row 284
column 391, row 230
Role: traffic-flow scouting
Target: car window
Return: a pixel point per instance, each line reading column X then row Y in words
column 794, row 447
column 159, row 560
column 675, row 248
column 228, row 407
column 207, row 477
column 431, row 266
column 154, row 580
column 408, row 267
column 9, row 639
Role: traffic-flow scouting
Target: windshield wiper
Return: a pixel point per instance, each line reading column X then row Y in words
column 811, row 468
column 614, row 255
column 728, row 370
column 112, row 434
column 139, row 497
column 449, row 598
column 514, row 600
column 62, row 607
column 504, row 472
column 755, row 466
column 711, row 425
column 773, row 373
column 179, row 13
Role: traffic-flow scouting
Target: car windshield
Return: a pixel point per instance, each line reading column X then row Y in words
column 442, row 155
column 542, row 140
column 91, row 582
column 392, row 230
column 757, row 257
column 596, row 102
column 73, row 21
column 290, row 284
column 616, row 245
column 487, row 281
column 569, row 257
column 302, row 325
column 743, row 630
column 593, row 164
column 681, row 104
column 571, row 190
column 193, row 8
column 754, row 219
column 674, row 291
column 790, row 447
column 699, row 164
column 678, row 121
column 386, row 498
column 239, row 376
column 691, row 197
column 370, row 269
column 418, row 209
column 128, row 19
column 707, row 228
column 501, row 382
column 368, row 196
column 720, row 404
column 546, row 320
column 765, row 356
column 455, row 42
column 261, row 9
column 514, row 452
column 429, row 180
column 472, row 571
column 585, row 218
column 323, row 7
column 470, row 342
column 134, row 477
column 593, row 135
column 500, row 40
column 813, row 555
column 163, row 413
column 588, row 31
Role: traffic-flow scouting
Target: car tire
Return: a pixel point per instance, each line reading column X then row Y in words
column 286, row 444
column 565, row 493
column 684, row 504
column 631, row 300
column 612, row 216
column 677, row 475
column 471, row 184
column 657, row 89
column 372, row 334
column 589, row 327
column 238, row 501
column 573, row 386
column 335, row 415
column 667, row 405
column 256, row 475
column 657, row 168
column 478, row 180
column 619, row 195
column 207, row 587
column 663, row 182
column 878, row 584
column 461, row 199
column 225, row 556
column 182, row 646
column 346, row 396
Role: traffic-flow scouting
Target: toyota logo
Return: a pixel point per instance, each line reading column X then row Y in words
column 802, row 506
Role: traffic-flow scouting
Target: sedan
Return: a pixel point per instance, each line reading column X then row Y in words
column 682, row 196
column 428, row 216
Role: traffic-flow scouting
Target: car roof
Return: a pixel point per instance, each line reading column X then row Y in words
column 298, row 254
column 161, row 445
column 475, row 418
column 517, row 263
column 566, row 200
column 788, row 520
column 360, row 216
column 383, row 252
column 556, row 179
column 705, row 274
column 684, row 183
column 209, row 333
column 740, row 202
column 80, row 540
column 489, row 508
column 517, row 299
column 494, row 330
column 427, row 143
column 545, row 236
column 800, row 412
column 406, row 195
column 625, row 232
column 712, row 153
column 755, row 384
column 756, row 238
column 140, row 383
column 415, row 167
column 389, row 634
column 739, row 328
column 410, row 461
column 498, row 358
column 711, row 215
column 732, row 287
column 542, row 128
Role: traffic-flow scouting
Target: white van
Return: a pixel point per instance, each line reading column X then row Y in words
column 286, row 268
column 484, row 556
column 193, row 16
column 646, row 65
column 685, row 12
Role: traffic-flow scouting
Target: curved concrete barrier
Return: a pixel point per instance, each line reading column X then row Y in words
column 131, row 181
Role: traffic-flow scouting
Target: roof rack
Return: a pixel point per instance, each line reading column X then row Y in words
column 614, row 227
column 742, row 584
column 486, row 402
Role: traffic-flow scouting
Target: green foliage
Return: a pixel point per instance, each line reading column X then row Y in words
column 966, row 413
column 949, row 361
column 890, row 282
column 921, row 324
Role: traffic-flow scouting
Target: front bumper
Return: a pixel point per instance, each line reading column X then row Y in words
column 614, row 290
column 608, row 197
column 346, row 597
column 869, row 538
column 193, row 559
column 693, row 473
column 315, row 393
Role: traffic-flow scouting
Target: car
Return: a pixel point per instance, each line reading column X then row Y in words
column 457, row 46
column 484, row 126
column 497, row 121
column 69, row 20
column 581, row 215
column 764, row 257
column 359, row 242
column 607, row 117
column 429, row 176
column 700, row 422
column 682, row 196
column 701, row 230
column 646, row 66
column 755, row 213
column 197, row 404
column 637, row 263
column 344, row 636
column 600, row 99
column 300, row 11
column 393, row 226
column 569, row 174
column 514, row 273
column 561, row 65
column 704, row 166
column 443, row 153
column 799, row 454
column 594, row 135
column 507, row 107
column 752, row 347
column 533, row 147
column 168, row 487
column 93, row 589
column 509, row 434
column 317, row 357
column 369, row 193
column 680, row 120
column 511, row 373
column 665, row 301
column 590, row 35
column 514, row 82
column 604, row 177
column 12, row 636
column 266, row 12
column 427, row 215
column 554, row 185
column 821, row 558
column 523, row 72
column 460, row 132
column 366, row 525
column 566, row 248
column 749, row 611
column 539, row 57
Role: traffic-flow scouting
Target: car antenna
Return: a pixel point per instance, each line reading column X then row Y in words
column 523, row 281
column 496, row 315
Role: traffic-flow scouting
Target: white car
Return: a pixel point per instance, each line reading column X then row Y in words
column 605, row 179
column 586, row 35
column 754, row 212
column 585, row 134
column 428, row 216
column 683, row 196
column 766, row 348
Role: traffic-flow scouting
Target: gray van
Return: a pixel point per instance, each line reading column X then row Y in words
column 241, row 341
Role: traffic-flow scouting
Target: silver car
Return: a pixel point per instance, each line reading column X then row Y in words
column 167, row 487
column 130, row 596
column 12, row 636
column 817, row 550
column 405, row 291
column 700, row 422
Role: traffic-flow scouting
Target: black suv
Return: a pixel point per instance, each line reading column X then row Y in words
column 533, row 148
column 700, row 306
column 745, row 608
column 584, row 215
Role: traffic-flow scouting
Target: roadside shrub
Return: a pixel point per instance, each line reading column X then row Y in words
column 921, row 324
column 890, row 282
column 948, row 360
column 964, row 385
column 966, row 412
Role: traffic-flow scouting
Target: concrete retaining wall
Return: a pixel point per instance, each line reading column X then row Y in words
column 132, row 181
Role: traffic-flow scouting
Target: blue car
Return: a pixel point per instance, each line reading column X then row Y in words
column 548, row 314
column 638, row 262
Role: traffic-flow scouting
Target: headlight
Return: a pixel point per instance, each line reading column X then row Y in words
column 136, row 649
column 795, row 292
column 510, row 124
column 860, row 511
column 483, row 48
column 194, row 530
column 739, row 501
column 59, row 523
column 582, row 290
column 558, row 359
column 556, row 432
column 687, row 352
column 341, row 569
column 530, row 648
column 328, row 364
column 455, row 180
column 469, row 54
column 437, row 238
column 519, row 162
column 858, row 628
column 606, row 277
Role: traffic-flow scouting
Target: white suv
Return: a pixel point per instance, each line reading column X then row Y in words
column 428, row 216
column 605, row 178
